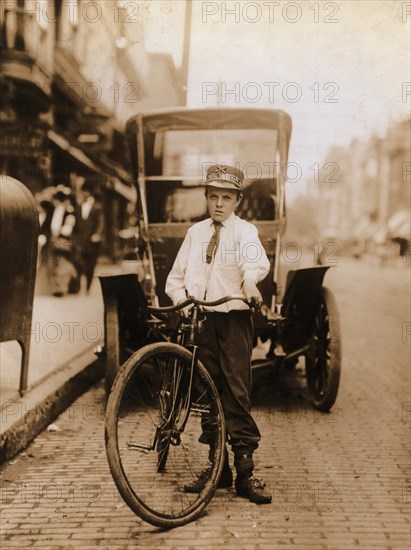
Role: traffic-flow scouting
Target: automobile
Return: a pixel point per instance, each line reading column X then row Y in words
column 170, row 151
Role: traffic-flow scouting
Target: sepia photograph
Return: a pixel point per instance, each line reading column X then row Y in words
column 205, row 262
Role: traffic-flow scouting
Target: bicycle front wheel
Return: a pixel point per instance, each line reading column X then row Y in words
column 153, row 433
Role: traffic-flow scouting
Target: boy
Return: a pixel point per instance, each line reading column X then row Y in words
column 223, row 255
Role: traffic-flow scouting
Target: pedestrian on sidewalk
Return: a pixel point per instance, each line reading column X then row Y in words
column 58, row 228
column 219, row 256
column 89, row 231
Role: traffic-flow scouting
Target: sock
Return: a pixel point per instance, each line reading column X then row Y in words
column 245, row 473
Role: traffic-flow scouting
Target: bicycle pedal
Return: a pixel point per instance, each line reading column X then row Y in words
column 199, row 410
column 279, row 351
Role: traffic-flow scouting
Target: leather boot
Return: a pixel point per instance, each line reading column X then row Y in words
column 248, row 486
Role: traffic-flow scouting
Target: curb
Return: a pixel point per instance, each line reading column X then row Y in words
column 26, row 417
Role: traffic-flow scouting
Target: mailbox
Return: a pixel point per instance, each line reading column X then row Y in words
column 19, row 228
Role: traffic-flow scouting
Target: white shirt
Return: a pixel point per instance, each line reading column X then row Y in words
column 86, row 207
column 57, row 219
column 239, row 256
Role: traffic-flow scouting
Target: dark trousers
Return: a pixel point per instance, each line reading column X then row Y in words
column 61, row 269
column 225, row 348
column 88, row 260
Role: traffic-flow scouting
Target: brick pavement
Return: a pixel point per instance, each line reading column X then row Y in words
column 340, row 481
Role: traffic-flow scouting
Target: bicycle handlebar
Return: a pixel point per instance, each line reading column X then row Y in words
column 194, row 301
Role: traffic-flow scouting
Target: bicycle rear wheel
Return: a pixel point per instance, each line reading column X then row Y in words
column 153, row 430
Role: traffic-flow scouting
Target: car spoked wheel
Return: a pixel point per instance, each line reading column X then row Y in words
column 323, row 360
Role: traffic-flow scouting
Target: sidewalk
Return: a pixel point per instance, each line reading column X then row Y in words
column 62, row 365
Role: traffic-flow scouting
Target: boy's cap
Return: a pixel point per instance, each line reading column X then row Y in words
column 224, row 177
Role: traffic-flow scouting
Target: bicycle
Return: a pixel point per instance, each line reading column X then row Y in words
column 162, row 408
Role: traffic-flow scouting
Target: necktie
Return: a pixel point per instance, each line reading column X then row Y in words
column 213, row 244
column 86, row 208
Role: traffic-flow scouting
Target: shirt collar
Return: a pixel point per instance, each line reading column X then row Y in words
column 228, row 222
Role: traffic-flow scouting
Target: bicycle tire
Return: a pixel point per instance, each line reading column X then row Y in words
column 153, row 485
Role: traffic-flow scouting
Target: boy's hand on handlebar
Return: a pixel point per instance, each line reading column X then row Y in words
column 252, row 293
column 185, row 311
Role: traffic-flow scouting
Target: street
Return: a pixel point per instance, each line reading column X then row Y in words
column 339, row 480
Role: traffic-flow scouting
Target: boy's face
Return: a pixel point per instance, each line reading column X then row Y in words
column 221, row 203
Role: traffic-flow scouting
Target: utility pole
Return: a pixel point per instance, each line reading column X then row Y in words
column 186, row 47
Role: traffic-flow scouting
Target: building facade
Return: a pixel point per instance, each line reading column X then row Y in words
column 72, row 73
column 372, row 187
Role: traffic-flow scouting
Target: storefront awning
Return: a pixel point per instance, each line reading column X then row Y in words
column 114, row 183
column 78, row 154
column 128, row 193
